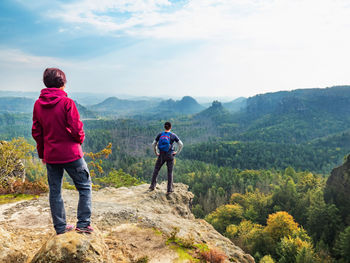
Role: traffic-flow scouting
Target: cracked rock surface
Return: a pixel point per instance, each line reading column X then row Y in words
column 132, row 224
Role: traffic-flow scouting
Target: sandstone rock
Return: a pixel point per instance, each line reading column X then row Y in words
column 8, row 251
column 73, row 247
column 136, row 224
column 165, row 213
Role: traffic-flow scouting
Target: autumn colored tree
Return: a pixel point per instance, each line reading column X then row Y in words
column 280, row 224
column 256, row 205
column 96, row 162
column 292, row 248
column 224, row 216
column 13, row 157
column 244, row 234
column 17, row 165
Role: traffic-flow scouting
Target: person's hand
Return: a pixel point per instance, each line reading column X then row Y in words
column 42, row 160
column 157, row 154
column 174, row 153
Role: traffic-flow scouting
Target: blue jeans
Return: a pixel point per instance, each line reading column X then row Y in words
column 80, row 175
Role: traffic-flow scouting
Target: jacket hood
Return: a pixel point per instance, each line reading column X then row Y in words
column 49, row 97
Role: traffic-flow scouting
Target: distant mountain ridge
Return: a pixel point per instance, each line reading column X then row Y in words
column 25, row 105
column 236, row 105
column 296, row 121
column 295, row 117
column 16, row 104
column 187, row 105
column 84, row 112
column 215, row 112
column 332, row 100
column 114, row 104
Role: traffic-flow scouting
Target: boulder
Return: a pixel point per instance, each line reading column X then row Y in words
column 73, row 247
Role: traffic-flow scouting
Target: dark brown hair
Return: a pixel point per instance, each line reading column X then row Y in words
column 54, row 78
column 167, row 125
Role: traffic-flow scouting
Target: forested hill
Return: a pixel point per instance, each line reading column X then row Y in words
column 334, row 100
column 305, row 129
column 295, row 116
column 249, row 170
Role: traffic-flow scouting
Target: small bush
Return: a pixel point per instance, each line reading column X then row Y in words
column 173, row 234
column 68, row 186
column 26, row 187
column 144, row 259
column 213, row 256
column 96, row 187
column 202, row 247
column 187, row 242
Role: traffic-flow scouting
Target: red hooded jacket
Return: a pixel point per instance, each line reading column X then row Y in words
column 57, row 128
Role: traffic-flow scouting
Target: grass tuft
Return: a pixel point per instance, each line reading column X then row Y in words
column 10, row 198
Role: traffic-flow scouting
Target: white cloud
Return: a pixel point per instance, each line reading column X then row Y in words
column 23, row 71
column 16, row 57
column 246, row 46
column 106, row 15
column 280, row 20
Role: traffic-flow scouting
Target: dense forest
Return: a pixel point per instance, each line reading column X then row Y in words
column 258, row 167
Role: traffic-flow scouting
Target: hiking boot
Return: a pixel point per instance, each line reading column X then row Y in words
column 67, row 229
column 169, row 192
column 151, row 188
column 87, row 229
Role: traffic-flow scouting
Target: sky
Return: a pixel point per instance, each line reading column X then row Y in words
column 213, row 48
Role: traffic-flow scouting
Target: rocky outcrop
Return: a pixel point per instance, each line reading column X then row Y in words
column 136, row 226
column 337, row 189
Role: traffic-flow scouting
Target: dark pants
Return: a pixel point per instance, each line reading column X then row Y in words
column 162, row 158
column 80, row 174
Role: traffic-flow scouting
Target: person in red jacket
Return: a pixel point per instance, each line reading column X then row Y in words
column 58, row 132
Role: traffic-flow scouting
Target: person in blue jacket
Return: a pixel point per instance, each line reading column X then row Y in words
column 163, row 147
